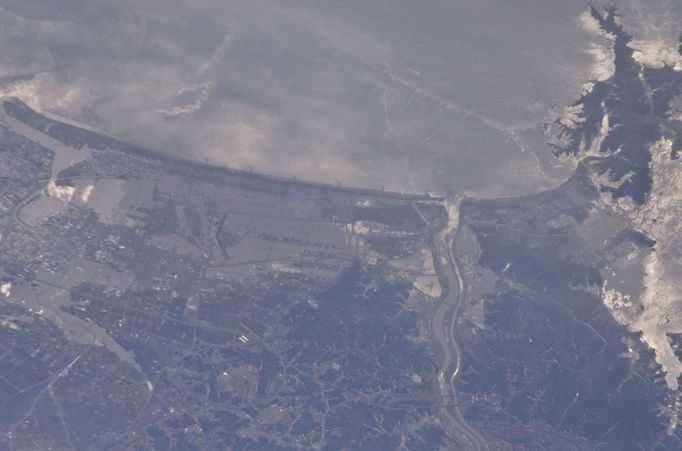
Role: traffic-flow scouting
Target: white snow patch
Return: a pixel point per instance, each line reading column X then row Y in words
column 662, row 300
column 64, row 193
column 24, row 90
column 594, row 149
column 453, row 216
column 586, row 88
column 181, row 109
column 604, row 65
column 614, row 299
column 361, row 228
column 217, row 55
column 6, row 289
column 281, row 267
column 10, row 324
column 602, row 52
column 85, row 194
column 200, row 92
column 590, row 24
column 656, row 53
column 658, row 218
column 572, row 116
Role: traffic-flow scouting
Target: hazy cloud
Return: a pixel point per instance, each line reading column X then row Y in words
column 406, row 96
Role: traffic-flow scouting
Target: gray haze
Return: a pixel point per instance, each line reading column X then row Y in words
column 448, row 96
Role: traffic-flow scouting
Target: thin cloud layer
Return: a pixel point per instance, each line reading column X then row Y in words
column 358, row 93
